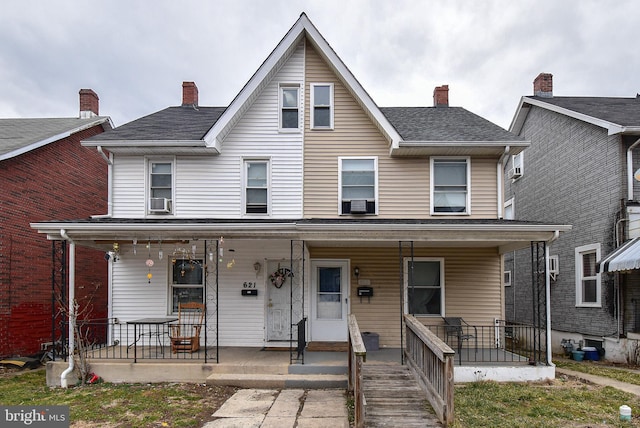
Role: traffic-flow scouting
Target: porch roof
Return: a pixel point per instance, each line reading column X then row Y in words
column 506, row 235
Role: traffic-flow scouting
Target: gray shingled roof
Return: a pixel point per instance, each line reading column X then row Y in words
column 182, row 123
column 412, row 123
column 19, row 135
column 444, row 124
column 621, row 111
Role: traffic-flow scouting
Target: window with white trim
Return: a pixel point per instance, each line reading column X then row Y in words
column 289, row 108
column 507, row 278
column 424, row 286
column 509, row 213
column 450, row 186
column 256, row 186
column 518, row 164
column 187, row 282
column 588, row 285
column 160, row 186
column 358, row 183
column 321, row 105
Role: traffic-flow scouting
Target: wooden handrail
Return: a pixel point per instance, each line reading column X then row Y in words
column 357, row 356
column 431, row 360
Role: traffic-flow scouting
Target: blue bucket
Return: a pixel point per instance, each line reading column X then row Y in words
column 578, row 355
column 591, row 353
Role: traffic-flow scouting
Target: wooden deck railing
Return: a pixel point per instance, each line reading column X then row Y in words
column 432, row 361
column 357, row 356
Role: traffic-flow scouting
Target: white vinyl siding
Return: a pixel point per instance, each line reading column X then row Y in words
column 588, row 285
column 129, row 193
column 211, row 186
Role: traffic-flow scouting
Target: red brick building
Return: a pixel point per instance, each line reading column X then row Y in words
column 46, row 174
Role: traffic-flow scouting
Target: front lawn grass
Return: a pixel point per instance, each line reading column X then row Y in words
column 601, row 369
column 559, row 403
column 119, row 405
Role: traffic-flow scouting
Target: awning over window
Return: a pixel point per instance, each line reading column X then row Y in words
column 626, row 257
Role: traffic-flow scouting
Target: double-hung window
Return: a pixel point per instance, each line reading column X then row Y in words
column 424, row 286
column 358, row 185
column 160, row 186
column 256, row 184
column 322, row 106
column 588, row 287
column 450, row 186
column 187, row 283
column 289, row 108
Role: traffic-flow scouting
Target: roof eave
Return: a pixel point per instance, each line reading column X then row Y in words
column 154, row 146
column 99, row 120
column 479, row 148
column 612, row 128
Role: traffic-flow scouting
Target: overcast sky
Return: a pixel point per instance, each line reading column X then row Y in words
column 136, row 54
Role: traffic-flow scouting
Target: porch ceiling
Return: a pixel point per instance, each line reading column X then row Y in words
column 505, row 235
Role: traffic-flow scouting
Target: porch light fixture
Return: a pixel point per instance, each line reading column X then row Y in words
column 256, row 267
column 356, row 271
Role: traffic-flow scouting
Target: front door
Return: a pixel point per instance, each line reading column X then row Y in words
column 279, row 300
column 329, row 300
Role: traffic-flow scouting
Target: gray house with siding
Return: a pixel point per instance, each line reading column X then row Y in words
column 579, row 170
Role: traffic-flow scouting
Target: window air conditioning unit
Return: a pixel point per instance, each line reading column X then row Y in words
column 554, row 267
column 159, row 205
column 515, row 172
column 358, row 206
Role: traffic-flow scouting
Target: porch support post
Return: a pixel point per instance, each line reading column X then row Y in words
column 548, row 303
column 71, row 309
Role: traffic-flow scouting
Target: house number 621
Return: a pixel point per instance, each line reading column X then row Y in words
column 248, row 284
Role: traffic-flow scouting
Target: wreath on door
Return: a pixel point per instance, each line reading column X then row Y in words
column 278, row 277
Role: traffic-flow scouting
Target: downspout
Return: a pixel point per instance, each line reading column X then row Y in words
column 109, row 160
column 630, row 169
column 502, row 163
column 547, row 286
column 72, row 310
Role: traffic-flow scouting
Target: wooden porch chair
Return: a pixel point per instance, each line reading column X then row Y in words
column 185, row 336
column 459, row 328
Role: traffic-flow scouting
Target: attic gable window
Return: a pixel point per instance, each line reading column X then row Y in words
column 450, row 186
column 289, row 108
column 322, row 106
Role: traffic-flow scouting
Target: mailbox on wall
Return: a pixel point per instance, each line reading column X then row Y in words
column 365, row 291
column 249, row 291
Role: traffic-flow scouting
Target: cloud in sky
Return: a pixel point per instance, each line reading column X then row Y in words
column 136, row 54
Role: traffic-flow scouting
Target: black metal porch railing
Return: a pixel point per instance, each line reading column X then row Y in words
column 114, row 339
column 501, row 343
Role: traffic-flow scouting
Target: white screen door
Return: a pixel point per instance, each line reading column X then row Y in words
column 329, row 300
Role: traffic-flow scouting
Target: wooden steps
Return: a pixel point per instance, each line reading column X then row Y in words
column 394, row 398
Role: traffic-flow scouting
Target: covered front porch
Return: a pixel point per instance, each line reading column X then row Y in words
column 371, row 264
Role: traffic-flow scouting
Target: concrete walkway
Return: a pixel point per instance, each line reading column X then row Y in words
column 600, row 380
column 287, row 408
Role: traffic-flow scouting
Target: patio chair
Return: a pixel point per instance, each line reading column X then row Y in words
column 456, row 327
column 185, row 335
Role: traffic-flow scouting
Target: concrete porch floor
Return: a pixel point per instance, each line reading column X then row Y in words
column 246, row 367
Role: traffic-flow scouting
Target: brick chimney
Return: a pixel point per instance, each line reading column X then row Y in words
column 441, row 96
column 89, row 104
column 189, row 94
column 543, row 85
